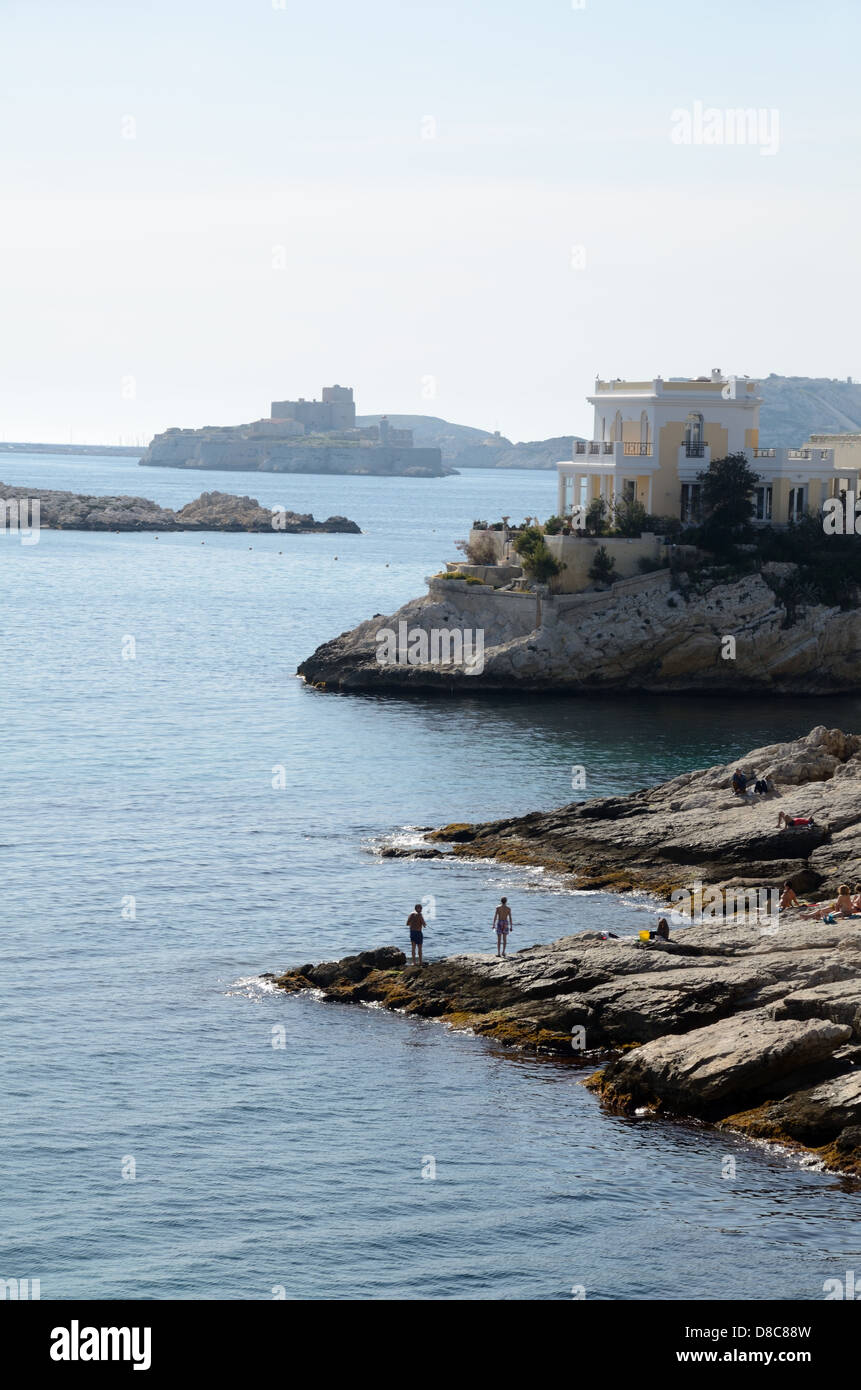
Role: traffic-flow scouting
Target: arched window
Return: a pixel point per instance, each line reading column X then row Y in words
column 617, row 427
column 644, row 430
column 694, row 435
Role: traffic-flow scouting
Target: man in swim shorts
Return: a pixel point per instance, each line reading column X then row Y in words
column 502, row 925
column 416, row 924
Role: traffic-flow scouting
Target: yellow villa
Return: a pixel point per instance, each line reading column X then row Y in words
column 652, row 438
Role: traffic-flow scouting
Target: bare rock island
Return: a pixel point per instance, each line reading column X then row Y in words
column 755, row 1027
column 212, row 511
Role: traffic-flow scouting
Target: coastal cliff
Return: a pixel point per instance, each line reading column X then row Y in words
column 212, row 511
column 753, row 1023
column 641, row 634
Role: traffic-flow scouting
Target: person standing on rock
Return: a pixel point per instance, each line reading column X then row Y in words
column 502, row 925
column 416, row 924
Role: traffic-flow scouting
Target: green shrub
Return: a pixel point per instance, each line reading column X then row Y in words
column 553, row 525
column 595, row 520
column 629, row 517
column 646, row 565
column 602, row 567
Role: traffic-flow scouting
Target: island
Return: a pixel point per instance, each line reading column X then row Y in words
column 301, row 437
column 211, row 511
column 744, row 1018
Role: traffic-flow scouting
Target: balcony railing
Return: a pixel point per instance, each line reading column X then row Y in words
column 693, row 450
column 593, row 446
column 609, row 446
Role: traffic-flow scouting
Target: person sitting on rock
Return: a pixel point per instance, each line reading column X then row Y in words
column 856, row 901
column 794, row 822
column 739, row 783
column 663, row 930
column 788, row 897
column 762, row 786
column 844, row 906
column 829, row 912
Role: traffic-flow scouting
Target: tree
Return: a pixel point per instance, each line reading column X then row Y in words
column 726, row 496
column 596, row 515
column 481, row 550
column 630, row 516
column 535, row 557
column 602, row 567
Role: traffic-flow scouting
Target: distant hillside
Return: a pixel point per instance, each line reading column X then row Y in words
column 793, row 408
column 462, row 446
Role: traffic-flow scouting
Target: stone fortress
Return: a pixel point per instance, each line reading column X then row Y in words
column 300, row 437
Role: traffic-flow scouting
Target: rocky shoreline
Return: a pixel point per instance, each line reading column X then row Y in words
column 752, row 1023
column 641, row 634
column 212, row 511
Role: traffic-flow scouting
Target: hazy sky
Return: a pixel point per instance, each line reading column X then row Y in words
column 466, row 210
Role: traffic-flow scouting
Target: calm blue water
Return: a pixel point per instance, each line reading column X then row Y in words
column 300, row 1167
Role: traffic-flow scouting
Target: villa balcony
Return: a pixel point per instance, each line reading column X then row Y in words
column 610, row 451
column 694, row 458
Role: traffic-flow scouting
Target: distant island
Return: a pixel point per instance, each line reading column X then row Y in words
column 794, row 407
column 212, row 511
column 301, row 437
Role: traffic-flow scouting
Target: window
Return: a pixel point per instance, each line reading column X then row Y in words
column 694, row 436
column 690, row 505
column 762, row 504
column 796, row 503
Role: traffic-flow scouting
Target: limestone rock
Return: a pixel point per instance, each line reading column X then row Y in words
column 212, row 511
column 696, row 1071
column 646, row 638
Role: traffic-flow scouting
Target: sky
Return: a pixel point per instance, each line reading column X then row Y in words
column 465, row 210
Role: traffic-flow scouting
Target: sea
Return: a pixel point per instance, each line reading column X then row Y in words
column 182, row 816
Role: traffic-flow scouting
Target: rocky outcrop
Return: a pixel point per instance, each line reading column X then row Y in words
column 703, row 1025
column 746, row 1018
column 694, row 828
column 212, row 511
column 640, row 635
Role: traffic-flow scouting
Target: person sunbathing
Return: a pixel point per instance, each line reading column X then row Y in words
column 829, row 912
column 844, row 905
column 793, row 822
